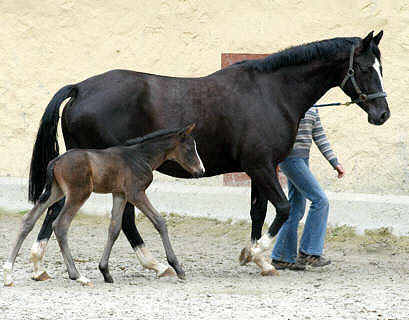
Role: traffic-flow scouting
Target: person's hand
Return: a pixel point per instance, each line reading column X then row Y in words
column 340, row 170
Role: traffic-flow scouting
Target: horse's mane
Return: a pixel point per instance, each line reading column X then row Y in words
column 151, row 136
column 302, row 54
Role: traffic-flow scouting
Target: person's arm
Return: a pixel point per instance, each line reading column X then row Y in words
column 321, row 140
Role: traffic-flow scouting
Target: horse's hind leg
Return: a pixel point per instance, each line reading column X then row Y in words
column 143, row 204
column 118, row 206
column 40, row 245
column 27, row 224
column 60, row 226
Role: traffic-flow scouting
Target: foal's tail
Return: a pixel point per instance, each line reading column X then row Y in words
column 46, row 145
column 48, row 181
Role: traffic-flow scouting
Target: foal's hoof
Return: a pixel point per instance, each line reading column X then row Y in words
column 42, row 277
column 272, row 272
column 245, row 256
column 85, row 281
column 169, row 272
column 9, row 284
column 181, row 275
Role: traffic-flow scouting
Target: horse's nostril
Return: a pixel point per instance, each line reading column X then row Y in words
column 384, row 116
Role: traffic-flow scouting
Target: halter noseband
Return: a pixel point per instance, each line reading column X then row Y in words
column 362, row 97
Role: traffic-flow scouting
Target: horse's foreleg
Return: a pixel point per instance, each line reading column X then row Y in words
column 40, row 245
column 113, row 233
column 268, row 184
column 143, row 204
column 27, row 224
column 258, row 212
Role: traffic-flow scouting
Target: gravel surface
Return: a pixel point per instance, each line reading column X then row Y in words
column 361, row 283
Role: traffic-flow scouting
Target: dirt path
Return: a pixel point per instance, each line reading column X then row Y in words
column 363, row 282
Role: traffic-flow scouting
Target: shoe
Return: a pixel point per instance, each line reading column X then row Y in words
column 282, row 265
column 311, row 260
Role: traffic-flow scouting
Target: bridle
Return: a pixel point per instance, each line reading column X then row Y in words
column 362, row 97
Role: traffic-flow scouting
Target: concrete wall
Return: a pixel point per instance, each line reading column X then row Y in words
column 45, row 45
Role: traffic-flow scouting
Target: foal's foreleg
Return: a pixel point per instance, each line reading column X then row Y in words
column 113, row 233
column 142, row 252
column 27, row 224
column 143, row 204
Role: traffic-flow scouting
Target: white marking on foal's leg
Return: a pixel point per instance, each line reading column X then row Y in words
column 377, row 67
column 7, row 273
column 148, row 261
column 37, row 255
column 84, row 281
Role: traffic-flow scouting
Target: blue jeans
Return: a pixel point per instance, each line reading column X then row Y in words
column 302, row 185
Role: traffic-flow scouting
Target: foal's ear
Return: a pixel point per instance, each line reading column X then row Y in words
column 366, row 43
column 188, row 129
column 378, row 37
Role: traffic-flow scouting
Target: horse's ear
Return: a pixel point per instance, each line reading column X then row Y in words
column 366, row 42
column 378, row 37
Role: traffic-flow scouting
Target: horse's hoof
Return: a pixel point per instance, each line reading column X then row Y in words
column 42, row 277
column 108, row 279
column 9, row 284
column 88, row 284
column 169, row 272
column 269, row 273
column 245, row 256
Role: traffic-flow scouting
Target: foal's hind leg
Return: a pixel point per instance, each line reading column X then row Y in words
column 72, row 204
column 40, row 245
column 143, row 204
column 113, row 233
column 27, row 224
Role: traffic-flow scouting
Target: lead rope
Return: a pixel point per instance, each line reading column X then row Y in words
column 333, row 104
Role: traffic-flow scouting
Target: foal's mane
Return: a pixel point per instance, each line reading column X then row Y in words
column 302, row 54
column 151, row 136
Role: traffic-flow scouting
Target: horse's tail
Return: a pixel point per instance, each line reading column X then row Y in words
column 48, row 182
column 46, row 145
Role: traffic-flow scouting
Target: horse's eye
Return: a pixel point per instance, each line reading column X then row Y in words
column 363, row 68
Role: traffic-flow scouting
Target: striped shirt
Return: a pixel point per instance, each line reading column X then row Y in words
column 309, row 129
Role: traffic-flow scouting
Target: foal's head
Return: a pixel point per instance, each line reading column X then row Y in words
column 185, row 152
column 363, row 81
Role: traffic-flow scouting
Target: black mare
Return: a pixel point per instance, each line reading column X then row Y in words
column 247, row 117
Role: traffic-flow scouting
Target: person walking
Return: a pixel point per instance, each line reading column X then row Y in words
column 302, row 185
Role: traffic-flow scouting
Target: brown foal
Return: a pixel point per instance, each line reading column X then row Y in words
column 126, row 172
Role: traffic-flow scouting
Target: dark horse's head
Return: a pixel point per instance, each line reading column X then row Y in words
column 363, row 81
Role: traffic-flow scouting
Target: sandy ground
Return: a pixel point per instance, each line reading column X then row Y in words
column 368, row 279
